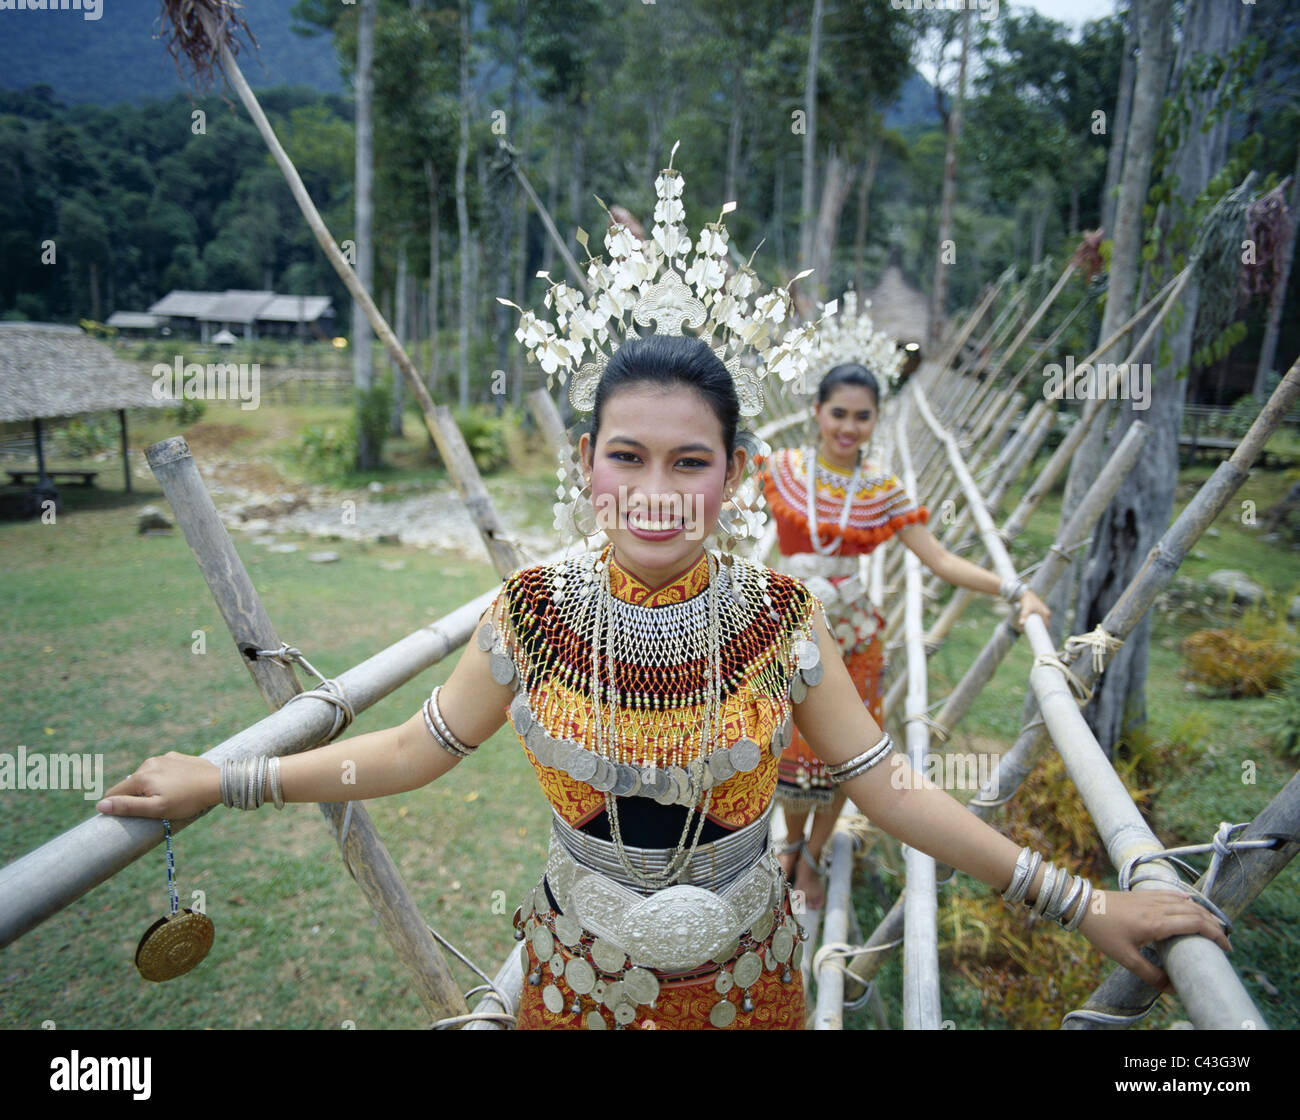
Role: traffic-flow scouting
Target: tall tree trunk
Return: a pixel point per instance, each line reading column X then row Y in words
column 1141, row 510
column 1268, row 349
column 733, row 142
column 401, row 328
column 778, row 208
column 93, row 278
column 864, row 197
column 462, row 208
column 939, row 297
column 1152, row 17
column 807, row 216
column 835, row 191
column 435, row 262
column 1118, row 128
column 362, row 359
column 552, row 201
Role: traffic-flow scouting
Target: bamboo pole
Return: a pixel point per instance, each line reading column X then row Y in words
column 1030, row 323
column 1214, row 994
column 1201, row 972
column 1015, row 766
column 1079, row 526
column 364, row 854
column 1122, row 995
column 1033, row 358
column 505, row 556
column 949, row 353
column 829, row 1012
column 45, row 880
column 544, row 214
column 921, row 918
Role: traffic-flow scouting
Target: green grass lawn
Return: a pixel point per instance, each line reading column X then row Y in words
column 100, row 626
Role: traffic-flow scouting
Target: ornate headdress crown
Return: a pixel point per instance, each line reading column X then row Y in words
column 852, row 337
column 651, row 282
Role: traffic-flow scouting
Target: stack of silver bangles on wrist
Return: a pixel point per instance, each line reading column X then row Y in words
column 1013, row 590
column 244, row 780
column 440, row 731
column 1058, row 894
column 842, row 772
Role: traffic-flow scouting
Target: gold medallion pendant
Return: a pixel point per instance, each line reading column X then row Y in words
column 178, row 941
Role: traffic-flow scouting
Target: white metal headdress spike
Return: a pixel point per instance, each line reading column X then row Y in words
column 678, row 287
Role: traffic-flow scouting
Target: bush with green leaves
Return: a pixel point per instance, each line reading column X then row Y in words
column 1282, row 723
column 488, row 434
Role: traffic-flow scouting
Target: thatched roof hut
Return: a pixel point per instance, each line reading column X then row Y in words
column 48, row 370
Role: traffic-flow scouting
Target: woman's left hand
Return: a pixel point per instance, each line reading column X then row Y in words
column 1032, row 604
column 1120, row 923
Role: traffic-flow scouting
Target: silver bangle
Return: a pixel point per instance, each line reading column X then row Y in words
column 842, row 772
column 441, row 733
column 1051, row 883
column 1080, row 912
column 1027, row 865
column 277, row 790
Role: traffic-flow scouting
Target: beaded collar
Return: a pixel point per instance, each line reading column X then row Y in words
column 627, row 588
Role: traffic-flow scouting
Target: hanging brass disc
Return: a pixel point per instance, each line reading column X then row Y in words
column 173, row 945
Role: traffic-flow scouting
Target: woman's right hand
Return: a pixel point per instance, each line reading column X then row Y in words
column 172, row 785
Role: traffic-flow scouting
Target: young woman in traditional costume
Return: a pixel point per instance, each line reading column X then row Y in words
column 653, row 686
column 833, row 505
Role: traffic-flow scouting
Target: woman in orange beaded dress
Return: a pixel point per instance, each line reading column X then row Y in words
column 654, row 686
column 832, row 505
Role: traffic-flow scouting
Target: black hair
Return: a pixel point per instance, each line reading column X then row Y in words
column 850, row 373
column 666, row 361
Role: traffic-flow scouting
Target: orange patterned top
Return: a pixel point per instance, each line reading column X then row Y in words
column 879, row 508
column 541, row 623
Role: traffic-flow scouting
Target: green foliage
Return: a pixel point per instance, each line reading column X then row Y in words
column 373, row 409
column 82, row 436
column 190, row 411
column 328, row 450
column 488, row 435
column 1282, row 722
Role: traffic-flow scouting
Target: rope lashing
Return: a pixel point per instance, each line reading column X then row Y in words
column 941, row 732
column 1099, row 641
column 1222, row 846
column 330, row 690
column 1081, row 692
column 505, row 1016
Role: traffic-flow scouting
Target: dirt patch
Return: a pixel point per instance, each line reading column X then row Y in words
column 211, row 437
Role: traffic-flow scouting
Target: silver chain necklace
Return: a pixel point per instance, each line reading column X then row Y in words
column 609, row 740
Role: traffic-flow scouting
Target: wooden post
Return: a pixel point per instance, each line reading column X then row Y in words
column 364, row 853
column 126, row 461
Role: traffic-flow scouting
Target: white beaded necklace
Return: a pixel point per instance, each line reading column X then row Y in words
column 609, row 741
column 834, row 546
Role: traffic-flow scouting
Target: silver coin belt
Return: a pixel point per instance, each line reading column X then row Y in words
column 599, row 975
column 713, row 866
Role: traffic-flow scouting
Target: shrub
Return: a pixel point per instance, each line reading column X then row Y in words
column 81, row 437
column 1282, row 721
column 1227, row 662
column 328, row 450
column 487, row 435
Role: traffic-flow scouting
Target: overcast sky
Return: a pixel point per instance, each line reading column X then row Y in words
column 1073, row 12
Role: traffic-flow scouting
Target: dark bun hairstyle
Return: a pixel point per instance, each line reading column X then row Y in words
column 666, row 361
column 850, row 373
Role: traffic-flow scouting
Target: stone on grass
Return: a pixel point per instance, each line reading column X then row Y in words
column 1228, row 582
column 151, row 519
column 322, row 557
